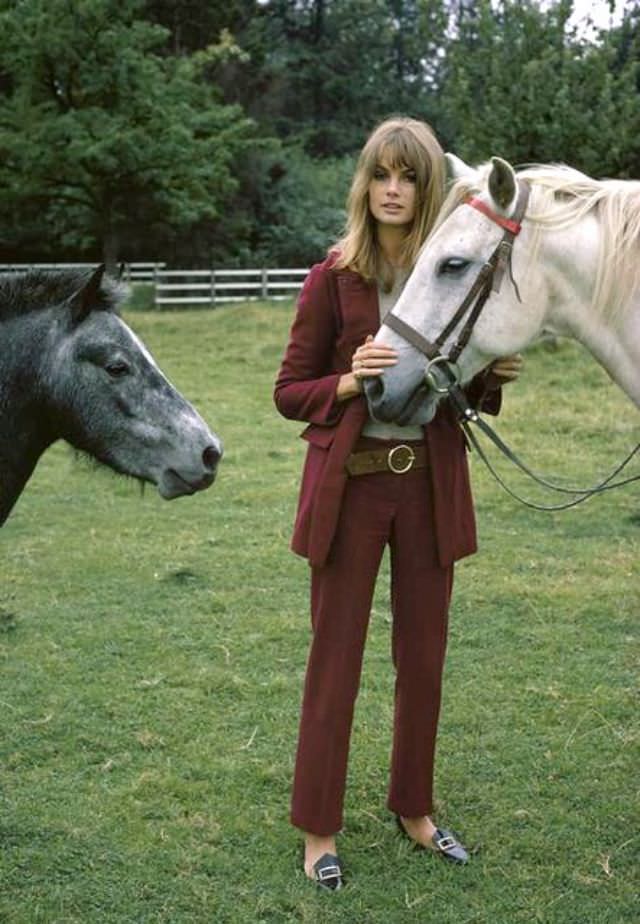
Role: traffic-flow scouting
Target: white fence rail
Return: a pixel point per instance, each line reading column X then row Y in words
column 175, row 287
column 213, row 286
column 132, row 272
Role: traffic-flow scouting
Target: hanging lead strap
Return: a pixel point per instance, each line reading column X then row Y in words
column 583, row 494
column 468, row 415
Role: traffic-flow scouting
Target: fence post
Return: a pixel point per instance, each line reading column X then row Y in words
column 213, row 287
column 155, row 285
column 265, row 284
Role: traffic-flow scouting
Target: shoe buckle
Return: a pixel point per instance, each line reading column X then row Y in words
column 446, row 843
column 328, row 872
column 401, row 458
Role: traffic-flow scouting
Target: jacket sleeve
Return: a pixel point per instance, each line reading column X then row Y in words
column 306, row 384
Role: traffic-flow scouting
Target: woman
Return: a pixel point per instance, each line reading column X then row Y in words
column 366, row 485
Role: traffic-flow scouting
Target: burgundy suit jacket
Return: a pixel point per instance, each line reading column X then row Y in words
column 336, row 311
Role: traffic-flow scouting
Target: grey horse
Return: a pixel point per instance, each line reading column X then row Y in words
column 71, row 369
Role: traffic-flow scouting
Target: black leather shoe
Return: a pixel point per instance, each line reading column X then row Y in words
column 327, row 872
column 444, row 843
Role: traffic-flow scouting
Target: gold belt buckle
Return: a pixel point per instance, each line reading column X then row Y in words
column 398, row 467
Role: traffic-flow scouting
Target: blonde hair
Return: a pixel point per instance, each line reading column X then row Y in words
column 405, row 143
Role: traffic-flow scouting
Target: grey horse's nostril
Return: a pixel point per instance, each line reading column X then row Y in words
column 211, row 457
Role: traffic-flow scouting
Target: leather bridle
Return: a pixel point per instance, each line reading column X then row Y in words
column 489, row 280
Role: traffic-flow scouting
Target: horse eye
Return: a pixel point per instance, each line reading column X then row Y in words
column 452, row 265
column 117, row 369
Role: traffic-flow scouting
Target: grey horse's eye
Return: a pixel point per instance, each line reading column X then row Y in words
column 117, row 369
column 452, row 265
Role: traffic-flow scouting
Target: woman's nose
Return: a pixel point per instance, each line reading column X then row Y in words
column 393, row 184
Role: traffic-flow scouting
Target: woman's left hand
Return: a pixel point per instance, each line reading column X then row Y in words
column 504, row 370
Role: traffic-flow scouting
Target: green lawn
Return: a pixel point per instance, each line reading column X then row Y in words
column 152, row 656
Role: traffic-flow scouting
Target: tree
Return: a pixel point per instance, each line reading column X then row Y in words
column 302, row 208
column 192, row 25
column 519, row 82
column 321, row 73
column 105, row 138
column 225, row 133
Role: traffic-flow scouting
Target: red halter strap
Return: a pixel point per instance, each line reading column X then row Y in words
column 506, row 223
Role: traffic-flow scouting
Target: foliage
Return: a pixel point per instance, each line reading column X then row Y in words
column 520, row 82
column 301, row 209
column 99, row 133
column 207, row 134
column 309, row 78
column 152, row 659
column 287, row 208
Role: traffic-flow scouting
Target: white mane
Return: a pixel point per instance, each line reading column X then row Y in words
column 560, row 197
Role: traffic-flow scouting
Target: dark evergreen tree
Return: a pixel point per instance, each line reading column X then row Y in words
column 101, row 136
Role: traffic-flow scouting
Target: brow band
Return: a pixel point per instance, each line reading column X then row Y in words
column 512, row 226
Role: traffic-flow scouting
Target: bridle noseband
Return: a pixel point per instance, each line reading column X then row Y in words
column 489, row 280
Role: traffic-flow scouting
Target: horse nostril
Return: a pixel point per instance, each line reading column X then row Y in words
column 211, row 457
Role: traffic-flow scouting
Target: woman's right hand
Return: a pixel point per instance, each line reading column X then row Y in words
column 369, row 360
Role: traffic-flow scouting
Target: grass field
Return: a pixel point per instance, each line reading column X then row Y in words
column 152, row 657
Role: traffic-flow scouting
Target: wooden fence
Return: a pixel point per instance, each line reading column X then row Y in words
column 213, row 286
column 173, row 287
column 132, row 272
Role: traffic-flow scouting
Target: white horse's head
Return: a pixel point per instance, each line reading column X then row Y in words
column 445, row 271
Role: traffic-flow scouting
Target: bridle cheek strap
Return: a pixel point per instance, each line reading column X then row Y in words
column 491, row 275
column 488, row 279
column 511, row 228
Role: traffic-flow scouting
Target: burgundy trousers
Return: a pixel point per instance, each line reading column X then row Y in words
column 378, row 509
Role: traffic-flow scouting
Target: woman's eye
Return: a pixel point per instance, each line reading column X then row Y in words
column 410, row 176
column 117, row 369
column 452, row 265
column 380, row 174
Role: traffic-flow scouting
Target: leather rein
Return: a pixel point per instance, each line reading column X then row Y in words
column 489, row 280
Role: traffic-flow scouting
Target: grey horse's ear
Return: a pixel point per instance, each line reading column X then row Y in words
column 85, row 298
column 503, row 185
column 457, row 169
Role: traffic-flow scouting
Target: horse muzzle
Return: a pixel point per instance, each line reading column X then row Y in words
column 413, row 403
column 188, row 477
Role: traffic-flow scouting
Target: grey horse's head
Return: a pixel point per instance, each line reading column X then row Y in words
column 106, row 396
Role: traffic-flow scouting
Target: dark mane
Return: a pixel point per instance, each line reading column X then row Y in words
column 21, row 293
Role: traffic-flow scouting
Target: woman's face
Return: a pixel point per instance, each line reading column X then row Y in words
column 392, row 194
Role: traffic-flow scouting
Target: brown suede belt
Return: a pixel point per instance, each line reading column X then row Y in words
column 397, row 459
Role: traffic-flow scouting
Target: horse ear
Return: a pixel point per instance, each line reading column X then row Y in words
column 502, row 183
column 85, row 298
column 457, row 169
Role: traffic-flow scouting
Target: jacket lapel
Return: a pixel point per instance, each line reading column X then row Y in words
column 358, row 302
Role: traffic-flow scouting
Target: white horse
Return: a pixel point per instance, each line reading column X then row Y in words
column 575, row 262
